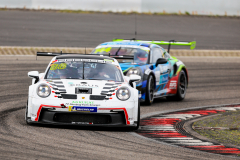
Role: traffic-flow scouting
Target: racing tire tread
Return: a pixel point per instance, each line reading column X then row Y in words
column 147, row 99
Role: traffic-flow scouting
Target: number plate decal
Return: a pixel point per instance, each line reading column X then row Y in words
column 82, row 109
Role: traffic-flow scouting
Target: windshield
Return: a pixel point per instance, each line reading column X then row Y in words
column 84, row 70
column 139, row 54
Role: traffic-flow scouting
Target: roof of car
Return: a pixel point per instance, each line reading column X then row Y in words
column 127, row 43
column 83, row 56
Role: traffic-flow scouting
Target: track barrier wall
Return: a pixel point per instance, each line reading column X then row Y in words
column 17, row 50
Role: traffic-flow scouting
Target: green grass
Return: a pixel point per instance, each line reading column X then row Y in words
column 230, row 119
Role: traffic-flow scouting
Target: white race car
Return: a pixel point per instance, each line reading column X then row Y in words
column 86, row 90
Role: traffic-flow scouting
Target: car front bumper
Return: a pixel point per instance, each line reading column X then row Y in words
column 107, row 114
column 113, row 119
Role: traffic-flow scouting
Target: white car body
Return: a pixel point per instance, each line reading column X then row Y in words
column 65, row 106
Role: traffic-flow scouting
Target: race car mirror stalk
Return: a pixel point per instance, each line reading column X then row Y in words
column 134, row 78
column 161, row 61
column 35, row 75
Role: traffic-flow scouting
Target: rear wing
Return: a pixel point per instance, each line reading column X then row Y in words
column 51, row 54
column 169, row 43
column 59, row 54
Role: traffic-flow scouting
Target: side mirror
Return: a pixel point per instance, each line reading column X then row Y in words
column 34, row 74
column 134, row 78
column 161, row 61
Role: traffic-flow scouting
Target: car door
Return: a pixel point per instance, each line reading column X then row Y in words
column 161, row 72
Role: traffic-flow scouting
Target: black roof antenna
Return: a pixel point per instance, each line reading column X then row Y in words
column 135, row 26
column 61, row 52
column 169, row 46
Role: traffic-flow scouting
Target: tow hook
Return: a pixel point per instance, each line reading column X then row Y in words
column 63, row 106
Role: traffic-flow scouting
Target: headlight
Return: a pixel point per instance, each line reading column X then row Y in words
column 43, row 90
column 123, row 94
column 135, row 71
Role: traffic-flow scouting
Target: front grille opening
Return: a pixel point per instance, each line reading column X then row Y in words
column 73, row 117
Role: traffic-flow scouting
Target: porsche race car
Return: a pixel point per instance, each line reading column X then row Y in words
column 162, row 75
column 85, row 90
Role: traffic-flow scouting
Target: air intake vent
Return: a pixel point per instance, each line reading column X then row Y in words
column 93, row 118
column 69, row 96
column 97, row 97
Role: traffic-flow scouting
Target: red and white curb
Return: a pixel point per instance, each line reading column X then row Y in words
column 166, row 127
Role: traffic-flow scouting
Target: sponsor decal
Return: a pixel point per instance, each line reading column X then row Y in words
column 86, row 60
column 173, row 85
column 164, row 79
column 108, row 60
column 84, row 103
column 82, row 109
column 83, row 85
column 104, row 49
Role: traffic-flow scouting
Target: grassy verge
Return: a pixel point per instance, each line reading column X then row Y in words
column 164, row 13
column 230, row 119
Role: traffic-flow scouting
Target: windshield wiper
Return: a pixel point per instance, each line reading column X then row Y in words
column 117, row 51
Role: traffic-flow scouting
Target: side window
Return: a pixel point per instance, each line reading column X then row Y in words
column 156, row 53
column 165, row 54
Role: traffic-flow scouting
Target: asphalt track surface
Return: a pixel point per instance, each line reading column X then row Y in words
column 212, row 81
column 28, row 28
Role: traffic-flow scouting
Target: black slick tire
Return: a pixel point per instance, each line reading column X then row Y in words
column 149, row 90
column 181, row 88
